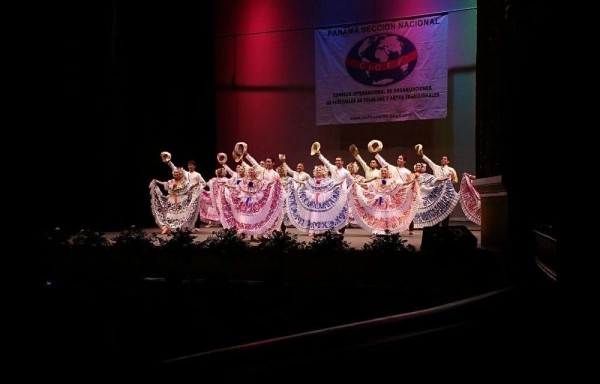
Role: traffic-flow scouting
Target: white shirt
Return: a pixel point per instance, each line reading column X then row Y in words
column 263, row 173
column 370, row 173
column 442, row 171
column 402, row 174
column 196, row 178
column 298, row 176
column 337, row 174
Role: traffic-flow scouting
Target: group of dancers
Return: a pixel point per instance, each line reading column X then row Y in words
column 258, row 198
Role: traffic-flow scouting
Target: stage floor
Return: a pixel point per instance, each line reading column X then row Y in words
column 356, row 237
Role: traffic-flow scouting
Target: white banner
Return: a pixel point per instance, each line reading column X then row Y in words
column 389, row 71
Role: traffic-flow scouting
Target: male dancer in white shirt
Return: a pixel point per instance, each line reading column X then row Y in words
column 265, row 172
column 371, row 170
column 339, row 173
column 298, row 174
column 399, row 172
column 442, row 171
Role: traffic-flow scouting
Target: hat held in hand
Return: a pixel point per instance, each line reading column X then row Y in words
column 314, row 148
column 240, row 148
column 165, row 156
column 221, row 158
column 236, row 156
column 375, row 146
column 419, row 149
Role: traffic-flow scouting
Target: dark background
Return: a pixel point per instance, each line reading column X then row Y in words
column 113, row 85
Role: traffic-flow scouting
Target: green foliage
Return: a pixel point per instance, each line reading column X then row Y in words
column 280, row 242
column 389, row 244
column 329, row 243
column 134, row 241
column 90, row 242
column 135, row 253
column 277, row 258
column 226, row 242
column 179, row 242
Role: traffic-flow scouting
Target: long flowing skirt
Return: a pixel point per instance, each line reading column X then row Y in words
column 438, row 199
column 470, row 200
column 257, row 213
column 175, row 211
column 317, row 206
column 385, row 210
column 209, row 212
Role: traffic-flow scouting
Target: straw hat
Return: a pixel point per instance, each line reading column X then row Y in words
column 165, row 156
column 353, row 150
column 419, row 149
column 236, row 156
column 314, row 148
column 241, row 147
column 375, row 146
column 221, row 158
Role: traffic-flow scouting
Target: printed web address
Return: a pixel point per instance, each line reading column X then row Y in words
column 371, row 117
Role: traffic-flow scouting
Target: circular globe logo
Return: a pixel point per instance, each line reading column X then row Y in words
column 381, row 60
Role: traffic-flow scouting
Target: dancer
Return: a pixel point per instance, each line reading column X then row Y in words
column 386, row 205
column 338, row 173
column 318, row 205
column 438, row 194
column 254, row 206
column 298, row 174
column 209, row 210
column 178, row 208
column 371, row 171
column 470, row 201
column 358, row 179
column 399, row 171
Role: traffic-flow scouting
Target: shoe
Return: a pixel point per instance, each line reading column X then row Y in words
column 196, row 229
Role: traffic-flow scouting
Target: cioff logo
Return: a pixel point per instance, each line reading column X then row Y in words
column 381, row 60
